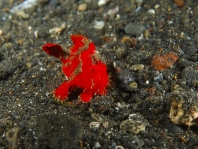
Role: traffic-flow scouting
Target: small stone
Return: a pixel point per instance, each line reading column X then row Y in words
column 119, row 147
column 99, row 25
column 162, row 62
column 97, row 145
column 176, row 112
column 105, row 124
column 58, row 30
column 102, row 2
column 139, row 2
column 126, row 77
column 159, row 77
column 23, row 15
column 137, row 67
column 82, row 7
column 20, row 42
column 121, row 105
column 133, row 85
column 151, row 11
column 24, row 5
column 134, row 124
column 146, row 34
column 113, row 12
column 176, row 87
column 36, row 34
column 156, row 6
column 134, row 29
column 173, row 128
column 1, row 32
column 94, row 125
column 28, row 65
column 179, row 3
column 8, row 45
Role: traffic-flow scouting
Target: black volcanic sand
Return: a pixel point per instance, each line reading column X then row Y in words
column 144, row 107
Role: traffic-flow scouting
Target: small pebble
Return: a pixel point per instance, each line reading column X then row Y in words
column 1, row 32
column 23, row 15
column 179, row 3
column 97, row 145
column 82, row 7
column 36, row 34
column 28, row 64
column 133, row 85
column 29, row 27
column 24, row 5
column 113, row 12
column 119, row 147
column 117, row 17
column 135, row 124
column 175, row 87
column 94, row 125
column 156, row 6
column 139, row 2
column 134, row 28
column 162, row 62
column 137, row 67
column 105, row 124
column 20, row 42
column 8, row 45
column 58, row 30
column 99, row 25
column 158, row 77
column 151, row 11
column 102, row 2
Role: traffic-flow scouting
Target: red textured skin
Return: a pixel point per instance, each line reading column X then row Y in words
column 82, row 68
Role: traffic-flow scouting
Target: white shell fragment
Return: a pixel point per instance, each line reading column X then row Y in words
column 97, row 145
column 102, row 2
column 58, row 30
column 119, row 147
column 24, row 5
column 1, row 32
column 113, row 12
column 151, row 11
column 99, row 25
column 156, row 6
column 94, row 125
column 36, row 34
